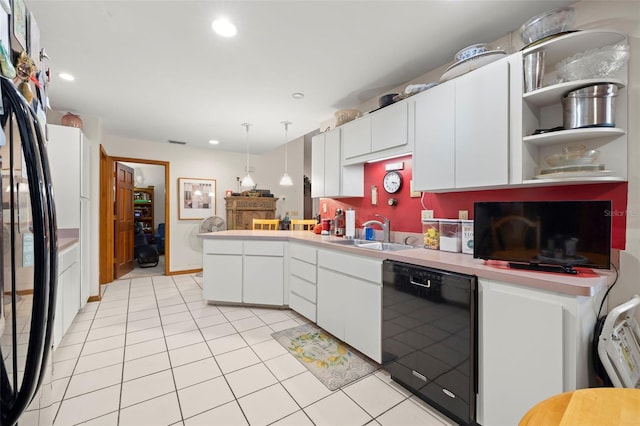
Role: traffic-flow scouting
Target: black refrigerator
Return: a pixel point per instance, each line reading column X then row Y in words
column 28, row 264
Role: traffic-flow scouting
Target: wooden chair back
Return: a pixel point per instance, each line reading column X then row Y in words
column 266, row 224
column 303, row 224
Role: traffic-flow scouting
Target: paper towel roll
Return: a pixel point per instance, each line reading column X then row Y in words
column 350, row 224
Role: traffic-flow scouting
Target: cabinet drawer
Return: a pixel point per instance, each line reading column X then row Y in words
column 264, row 248
column 303, row 270
column 364, row 268
column 303, row 252
column 302, row 288
column 215, row 246
column 68, row 257
column 302, row 306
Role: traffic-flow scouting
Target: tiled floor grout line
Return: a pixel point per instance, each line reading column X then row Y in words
column 124, row 352
column 168, row 291
column 173, row 376
column 77, row 359
column 222, row 374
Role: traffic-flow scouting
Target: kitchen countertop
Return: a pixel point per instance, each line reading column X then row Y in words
column 67, row 237
column 455, row 262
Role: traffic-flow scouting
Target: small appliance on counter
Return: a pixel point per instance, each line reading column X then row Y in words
column 339, row 223
column 350, row 224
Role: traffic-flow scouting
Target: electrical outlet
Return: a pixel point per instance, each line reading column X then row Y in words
column 463, row 214
column 427, row 214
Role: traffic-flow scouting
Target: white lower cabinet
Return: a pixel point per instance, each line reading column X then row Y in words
column 263, row 273
column 249, row 271
column 68, row 291
column 349, row 303
column 222, row 270
column 533, row 344
column 302, row 280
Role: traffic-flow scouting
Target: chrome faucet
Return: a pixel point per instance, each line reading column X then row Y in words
column 386, row 227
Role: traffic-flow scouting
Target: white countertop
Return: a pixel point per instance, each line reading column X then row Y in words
column 455, row 262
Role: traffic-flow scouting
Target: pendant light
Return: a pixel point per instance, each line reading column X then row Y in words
column 285, row 180
column 247, row 181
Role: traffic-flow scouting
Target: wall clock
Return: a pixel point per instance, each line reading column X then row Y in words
column 392, row 182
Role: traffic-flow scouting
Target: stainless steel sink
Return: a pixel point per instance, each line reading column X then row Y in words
column 373, row 245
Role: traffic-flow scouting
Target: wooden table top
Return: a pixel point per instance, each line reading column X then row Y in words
column 593, row 406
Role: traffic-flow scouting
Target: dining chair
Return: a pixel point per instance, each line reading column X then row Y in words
column 303, row 224
column 266, row 224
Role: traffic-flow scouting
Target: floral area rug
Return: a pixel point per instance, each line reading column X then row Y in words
column 330, row 360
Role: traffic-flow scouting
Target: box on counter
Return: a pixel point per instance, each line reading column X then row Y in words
column 431, row 234
column 450, row 235
column 467, row 236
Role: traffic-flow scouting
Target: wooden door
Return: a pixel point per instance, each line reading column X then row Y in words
column 123, row 220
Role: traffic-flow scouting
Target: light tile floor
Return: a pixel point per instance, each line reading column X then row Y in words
column 153, row 353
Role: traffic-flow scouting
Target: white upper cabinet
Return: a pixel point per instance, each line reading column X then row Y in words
column 356, row 137
column 380, row 134
column 434, row 151
column 482, row 127
column 332, row 163
column 389, row 127
column 462, row 132
column 329, row 177
column 317, row 166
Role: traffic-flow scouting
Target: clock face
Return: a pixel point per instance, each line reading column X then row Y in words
column 392, row 182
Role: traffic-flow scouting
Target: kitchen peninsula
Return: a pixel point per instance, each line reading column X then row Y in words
column 534, row 329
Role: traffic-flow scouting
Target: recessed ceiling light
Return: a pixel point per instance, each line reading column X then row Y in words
column 223, row 27
column 65, row 76
column 297, row 95
column 214, row 142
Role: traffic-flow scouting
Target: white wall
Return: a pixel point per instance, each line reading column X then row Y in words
column 269, row 168
column 185, row 162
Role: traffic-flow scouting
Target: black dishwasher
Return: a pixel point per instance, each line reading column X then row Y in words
column 429, row 336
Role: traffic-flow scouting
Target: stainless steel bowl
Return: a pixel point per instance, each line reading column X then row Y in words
column 591, row 106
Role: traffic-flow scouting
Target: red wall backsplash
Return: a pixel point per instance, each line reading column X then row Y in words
column 406, row 216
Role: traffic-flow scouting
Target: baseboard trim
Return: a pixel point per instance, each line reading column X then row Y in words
column 187, row 271
column 94, row 299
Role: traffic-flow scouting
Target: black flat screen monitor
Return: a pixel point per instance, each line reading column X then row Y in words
column 561, row 233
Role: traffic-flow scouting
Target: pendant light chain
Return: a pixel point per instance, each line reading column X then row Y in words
column 247, row 181
column 286, row 179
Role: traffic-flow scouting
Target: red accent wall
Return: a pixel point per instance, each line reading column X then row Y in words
column 405, row 217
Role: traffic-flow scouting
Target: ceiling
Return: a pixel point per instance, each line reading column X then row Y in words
column 155, row 70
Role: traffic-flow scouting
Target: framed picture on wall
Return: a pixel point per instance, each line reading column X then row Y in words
column 197, row 198
column 19, row 23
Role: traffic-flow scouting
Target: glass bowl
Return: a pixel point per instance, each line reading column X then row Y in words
column 603, row 62
column 548, row 23
column 573, row 155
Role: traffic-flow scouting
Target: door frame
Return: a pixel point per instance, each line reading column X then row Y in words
column 107, row 217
